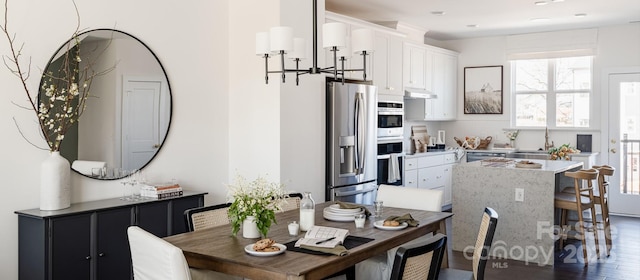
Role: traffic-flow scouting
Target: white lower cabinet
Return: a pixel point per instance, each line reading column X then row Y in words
column 430, row 171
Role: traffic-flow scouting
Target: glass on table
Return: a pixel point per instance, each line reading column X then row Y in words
column 378, row 208
column 359, row 219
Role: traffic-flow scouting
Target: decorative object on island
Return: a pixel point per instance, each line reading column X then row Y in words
column 562, row 152
column 474, row 142
column 58, row 107
column 259, row 199
column 512, row 135
column 307, row 212
column 280, row 41
column 483, row 90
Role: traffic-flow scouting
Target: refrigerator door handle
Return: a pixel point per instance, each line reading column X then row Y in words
column 360, row 126
column 349, row 193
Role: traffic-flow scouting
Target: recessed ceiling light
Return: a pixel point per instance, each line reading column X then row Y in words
column 472, row 25
column 541, row 3
column 557, row 1
column 539, row 19
column 580, row 15
column 438, row 13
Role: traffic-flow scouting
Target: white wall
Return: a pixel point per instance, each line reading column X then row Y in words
column 191, row 42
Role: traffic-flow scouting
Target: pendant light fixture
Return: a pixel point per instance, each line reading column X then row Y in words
column 279, row 41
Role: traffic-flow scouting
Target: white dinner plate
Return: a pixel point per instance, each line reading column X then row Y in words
column 349, row 214
column 250, row 251
column 336, row 209
column 339, row 218
column 379, row 224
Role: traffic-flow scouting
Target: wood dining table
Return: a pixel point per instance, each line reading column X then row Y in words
column 216, row 249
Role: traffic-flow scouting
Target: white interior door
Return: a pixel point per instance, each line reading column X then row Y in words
column 624, row 143
column 140, row 122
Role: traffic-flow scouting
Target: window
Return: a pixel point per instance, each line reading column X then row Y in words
column 552, row 92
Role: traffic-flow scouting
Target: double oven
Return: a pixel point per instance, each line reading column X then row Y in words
column 390, row 140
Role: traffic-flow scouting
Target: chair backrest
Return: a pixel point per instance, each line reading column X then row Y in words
column 206, row 217
column 420, row 260
column 291, row 202
column 410, row 198
column 483, row 243
column 154, row 258
column 583, row 190
column 603, row 184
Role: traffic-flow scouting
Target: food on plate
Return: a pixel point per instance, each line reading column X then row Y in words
column 270, row 249
column 263, row 244
column 391, row 223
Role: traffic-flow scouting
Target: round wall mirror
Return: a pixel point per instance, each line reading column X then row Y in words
column 128, row 112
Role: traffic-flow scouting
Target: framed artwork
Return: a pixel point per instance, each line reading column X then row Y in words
column 483, row 90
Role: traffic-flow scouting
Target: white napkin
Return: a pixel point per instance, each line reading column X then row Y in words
column 394, row 169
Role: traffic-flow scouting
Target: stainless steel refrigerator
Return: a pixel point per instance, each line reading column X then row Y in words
column 351, row 142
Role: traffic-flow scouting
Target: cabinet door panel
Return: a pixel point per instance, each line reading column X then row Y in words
column 113, row 248
column 70, row 247
column 153, row 217
column 411, row 178
column 177, row 212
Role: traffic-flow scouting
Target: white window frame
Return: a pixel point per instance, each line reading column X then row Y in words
column 551, row 94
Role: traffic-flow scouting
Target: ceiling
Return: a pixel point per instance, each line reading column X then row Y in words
column 492, row 17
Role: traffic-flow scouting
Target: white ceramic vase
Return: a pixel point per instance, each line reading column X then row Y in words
column 55, row 183
column 250, row 228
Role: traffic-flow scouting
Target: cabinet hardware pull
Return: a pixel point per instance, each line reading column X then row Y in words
column 87, row 258
column 101, row 255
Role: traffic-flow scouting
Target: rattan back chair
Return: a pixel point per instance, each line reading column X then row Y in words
column 420, row 261
column 480, row 252
column 206, row 217
column 292, row 202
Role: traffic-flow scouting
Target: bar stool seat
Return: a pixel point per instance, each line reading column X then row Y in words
column 582, row 199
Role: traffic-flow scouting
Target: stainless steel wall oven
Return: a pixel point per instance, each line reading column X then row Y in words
column 388, row 148
column 390, row 119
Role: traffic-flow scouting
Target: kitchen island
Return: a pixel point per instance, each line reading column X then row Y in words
column 525, row 228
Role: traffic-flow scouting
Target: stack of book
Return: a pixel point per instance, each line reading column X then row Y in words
column 160, row 191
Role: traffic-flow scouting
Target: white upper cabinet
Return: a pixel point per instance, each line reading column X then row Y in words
column 414, row 66
column 398, row 63
column 440, row 79
column 387, row 64
column 444, row 80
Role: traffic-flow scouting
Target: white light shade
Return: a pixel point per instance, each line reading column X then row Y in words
column 345, row 51
column 281, row 38
column 262, row 43
column 299, row 49
column 362, row 40
column 334, row 34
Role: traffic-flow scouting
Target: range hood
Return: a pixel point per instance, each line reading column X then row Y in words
column 419, row 93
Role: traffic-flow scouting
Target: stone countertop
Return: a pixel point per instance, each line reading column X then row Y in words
column 506, row 151
column 525, row 227
column 427, row 154
column 555, row 166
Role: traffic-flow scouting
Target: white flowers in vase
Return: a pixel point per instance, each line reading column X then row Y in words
column 259, row 198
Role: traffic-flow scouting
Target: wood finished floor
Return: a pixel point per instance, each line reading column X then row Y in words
column 623, row 263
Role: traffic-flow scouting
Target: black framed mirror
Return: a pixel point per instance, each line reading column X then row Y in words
column 128, row 113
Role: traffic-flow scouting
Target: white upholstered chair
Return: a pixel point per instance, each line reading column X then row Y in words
column 379, row 267
column 156, row 259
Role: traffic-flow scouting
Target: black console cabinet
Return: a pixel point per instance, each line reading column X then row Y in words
column 89, row 240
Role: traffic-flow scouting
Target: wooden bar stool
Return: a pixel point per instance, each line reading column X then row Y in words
column 581, row 200
column 601, row 198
